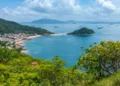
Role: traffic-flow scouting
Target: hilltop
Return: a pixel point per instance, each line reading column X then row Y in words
column 13, row 27
column 82, row 31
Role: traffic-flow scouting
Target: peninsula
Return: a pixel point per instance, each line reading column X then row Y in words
column 17, row 34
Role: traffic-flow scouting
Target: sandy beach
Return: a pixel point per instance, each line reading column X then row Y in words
column 19, row 43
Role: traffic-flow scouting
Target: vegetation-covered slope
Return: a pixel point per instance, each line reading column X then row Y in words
column 82, row 31
column 18, row 69
column 113, row 80
column 12, row 27
column 101, row 60
column 21, row 70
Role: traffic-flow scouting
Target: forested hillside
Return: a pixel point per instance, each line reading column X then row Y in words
column 13, row 27
column 22, row 70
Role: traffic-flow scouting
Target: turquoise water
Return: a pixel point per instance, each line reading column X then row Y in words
column 68, row 47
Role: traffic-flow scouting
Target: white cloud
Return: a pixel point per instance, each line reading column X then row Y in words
column 21, row 14
column 53, row 6
column 62, row 9
column 19, row 11
column 39, row 5
column 44, row 8
column 107, row 4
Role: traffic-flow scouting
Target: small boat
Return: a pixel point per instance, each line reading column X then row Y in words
column 55, row 27
column 100, row 27
column 81, row 47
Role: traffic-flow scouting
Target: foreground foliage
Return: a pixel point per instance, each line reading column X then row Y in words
column 18, row 69
column 113, row 80
column 101, row 60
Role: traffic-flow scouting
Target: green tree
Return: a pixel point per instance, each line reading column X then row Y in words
column 102, row 59
column 59, row 63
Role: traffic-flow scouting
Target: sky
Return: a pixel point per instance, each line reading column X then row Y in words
column 80, row 10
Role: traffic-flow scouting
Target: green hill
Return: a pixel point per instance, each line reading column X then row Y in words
column 13, row 27
column 82, row 31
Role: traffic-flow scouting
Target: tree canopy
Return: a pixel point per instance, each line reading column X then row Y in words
column 18, row 69
column 102, row 59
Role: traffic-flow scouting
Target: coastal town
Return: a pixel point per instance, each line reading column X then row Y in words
column 17, row 39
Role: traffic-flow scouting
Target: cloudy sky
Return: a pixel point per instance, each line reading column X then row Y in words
column 82, row 10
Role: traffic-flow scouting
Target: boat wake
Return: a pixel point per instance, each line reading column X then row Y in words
column 59, row 34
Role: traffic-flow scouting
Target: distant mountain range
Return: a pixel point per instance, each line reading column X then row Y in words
column 53, row 21
column 47, row 21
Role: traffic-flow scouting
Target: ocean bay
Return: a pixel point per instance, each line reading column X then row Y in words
column 68, row 47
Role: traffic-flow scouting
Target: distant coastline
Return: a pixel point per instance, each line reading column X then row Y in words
column 55, row 21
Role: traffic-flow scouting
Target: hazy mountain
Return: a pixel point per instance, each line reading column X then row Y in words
column 54, row 21
column 47, row 21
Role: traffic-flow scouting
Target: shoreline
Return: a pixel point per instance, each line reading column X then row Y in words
column 20, row 43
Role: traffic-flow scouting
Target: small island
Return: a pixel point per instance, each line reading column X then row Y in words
column 82, row 31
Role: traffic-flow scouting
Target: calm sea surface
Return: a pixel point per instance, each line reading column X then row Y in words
column 68, row 47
